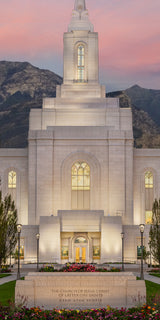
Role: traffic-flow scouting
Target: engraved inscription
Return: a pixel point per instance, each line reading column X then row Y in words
column 80, row 295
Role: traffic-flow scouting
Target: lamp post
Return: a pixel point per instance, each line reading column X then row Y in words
column 122, row 237
column 19, row 228
column 141, row 229
column 37, row 237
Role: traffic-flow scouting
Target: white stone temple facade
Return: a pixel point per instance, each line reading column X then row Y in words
column 80, row 182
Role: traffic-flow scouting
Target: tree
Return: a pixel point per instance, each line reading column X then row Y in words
column 146, row 254
column 155, row 231
column 8, row 227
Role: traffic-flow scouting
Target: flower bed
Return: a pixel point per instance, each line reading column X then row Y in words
column 5, row 269
column 78, row 268
column 146, row 312
column 155, row 270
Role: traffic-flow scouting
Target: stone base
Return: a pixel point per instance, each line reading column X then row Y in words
column 80, row 290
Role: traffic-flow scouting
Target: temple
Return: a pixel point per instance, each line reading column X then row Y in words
column 81, row 183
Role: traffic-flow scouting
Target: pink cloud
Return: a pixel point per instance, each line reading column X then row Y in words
column 129, row 31
column 130, row 43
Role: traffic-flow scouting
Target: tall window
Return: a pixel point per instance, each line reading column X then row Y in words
column 148, row 196
column 80, row 185
column 12, row 180
column 21, row 249
column 12, row 184
column 80, row 64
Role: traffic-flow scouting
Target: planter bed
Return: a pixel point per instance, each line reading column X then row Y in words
column 145, row 312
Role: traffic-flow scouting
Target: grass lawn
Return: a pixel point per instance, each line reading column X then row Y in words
column 7, row 292
column 155, row 274
column 2, row 275
column 153, row 289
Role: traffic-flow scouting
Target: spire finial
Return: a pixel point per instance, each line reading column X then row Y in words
column 80, row 5
column 80, row 20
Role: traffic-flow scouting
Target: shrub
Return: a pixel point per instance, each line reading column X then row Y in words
column 77, row 267
column 5, row 269
column 146, row 312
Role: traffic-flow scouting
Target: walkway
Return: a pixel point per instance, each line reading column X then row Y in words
column 151, row 278
column 14, row 277
column 8, row 279
column 25, row 269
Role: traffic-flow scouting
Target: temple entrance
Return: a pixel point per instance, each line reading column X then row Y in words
column 80, row 249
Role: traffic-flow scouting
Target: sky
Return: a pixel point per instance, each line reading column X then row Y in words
column 129, row 37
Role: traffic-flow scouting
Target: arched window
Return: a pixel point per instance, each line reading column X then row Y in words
column 12, row 180
column 80, row 64
column 148, row 196
column 80, row 185
column 12, row 184
column 148, row 180
column 80, row 240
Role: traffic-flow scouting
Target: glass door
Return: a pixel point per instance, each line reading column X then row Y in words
column 80, row 254
column 80, row 249
column 83, row 254
column 77, row 254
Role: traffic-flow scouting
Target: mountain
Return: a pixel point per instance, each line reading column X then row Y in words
column 23, row 86
column 147, row 100
column 145, row 130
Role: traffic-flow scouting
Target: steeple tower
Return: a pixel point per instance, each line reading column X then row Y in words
column 80, row 5
column 80, row 57
column 80, row 20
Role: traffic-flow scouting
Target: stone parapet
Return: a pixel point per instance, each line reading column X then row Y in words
column 80, row 290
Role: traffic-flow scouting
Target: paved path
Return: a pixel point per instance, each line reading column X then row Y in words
column 148, row 277
column 14, row 277
column 151, row 278
column 10, row 278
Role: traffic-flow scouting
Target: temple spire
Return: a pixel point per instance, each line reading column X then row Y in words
column 80, row 20
column 80, row 5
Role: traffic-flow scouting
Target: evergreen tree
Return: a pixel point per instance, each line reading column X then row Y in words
column 8, row 227
column 155, row 231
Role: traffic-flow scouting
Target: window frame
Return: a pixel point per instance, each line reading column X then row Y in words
column 149, row 188
column 13, row 183
column 81, row 63
column 80, row 185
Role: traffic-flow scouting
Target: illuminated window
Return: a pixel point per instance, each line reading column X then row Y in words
column 96, row 252
column 96, row 248
column 64, row 252
column 80, row 240
column 12, row 184
column 148, row 180
column 21, row 250
column 148, row 217
column 12, row 180
column 139, row 250
column 148, row 196
column 80, row 176
column 80, row 64
column 80, row 185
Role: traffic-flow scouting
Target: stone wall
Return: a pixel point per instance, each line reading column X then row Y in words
column 80, row 290
column 16, row 160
